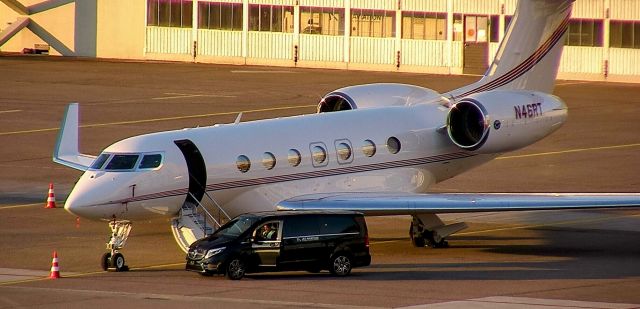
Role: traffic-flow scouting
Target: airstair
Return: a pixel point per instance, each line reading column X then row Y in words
column 197, row 219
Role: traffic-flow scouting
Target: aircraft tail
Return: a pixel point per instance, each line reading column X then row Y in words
column 529, row 55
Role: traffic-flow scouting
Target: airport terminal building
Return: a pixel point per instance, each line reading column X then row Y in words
column 429, row 36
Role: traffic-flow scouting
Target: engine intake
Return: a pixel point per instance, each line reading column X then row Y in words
column 334, row 102
column 467, row 124
column 375, row 95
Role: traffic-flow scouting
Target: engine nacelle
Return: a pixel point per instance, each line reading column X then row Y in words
column 375, row 95
column 500, row 121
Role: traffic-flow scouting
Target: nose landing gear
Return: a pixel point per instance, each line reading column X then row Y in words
column 114, row 260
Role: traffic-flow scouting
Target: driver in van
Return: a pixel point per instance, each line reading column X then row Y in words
column 268, row 232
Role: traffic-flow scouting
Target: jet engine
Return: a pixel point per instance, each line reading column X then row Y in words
column 500, row 121
column 375, row 95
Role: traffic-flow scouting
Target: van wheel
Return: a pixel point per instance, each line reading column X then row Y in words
column 235, row 269
column 340, row 265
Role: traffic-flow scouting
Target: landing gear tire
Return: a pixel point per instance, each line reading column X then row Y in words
column 416, row 240
column 117, row 262
column 340, row 265
column 105, row 261
column 421, row 238
column 236, row 269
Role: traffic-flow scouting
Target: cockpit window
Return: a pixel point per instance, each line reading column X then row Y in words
column 122, row 162
column 150, row 161
column 99, row 162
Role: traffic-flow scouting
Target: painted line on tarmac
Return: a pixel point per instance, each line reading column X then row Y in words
column 569, row 151
column 228, row 302
column 570, row 83
column 26, row 205
column 186, row 96
column 528, row 226
column 385, row 241
column 163, row 119
column 10, row 111
column 83, row 274
column 263, row 72
column 507, row 302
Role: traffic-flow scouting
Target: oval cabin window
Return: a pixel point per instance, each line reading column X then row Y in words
column 243, row 163
column 369, row 148
column 344, row 151
column 268, row 160
column 393, row 144
column 319, row 154
column 294, row 157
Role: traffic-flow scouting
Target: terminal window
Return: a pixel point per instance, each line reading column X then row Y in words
column 223, row 16
column 373, row 23
column 274, row 18
column 170, row 13
column 424, row 26
column 624, row 34
column 319, row 20
column 584, row 32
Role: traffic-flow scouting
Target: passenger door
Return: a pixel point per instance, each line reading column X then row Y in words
column 266, row 248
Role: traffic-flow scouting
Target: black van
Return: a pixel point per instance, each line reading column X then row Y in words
column 285, row 240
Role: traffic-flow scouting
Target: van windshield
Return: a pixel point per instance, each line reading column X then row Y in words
column 235, row 227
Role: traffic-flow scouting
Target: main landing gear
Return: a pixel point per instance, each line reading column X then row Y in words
column 428, row 230
column 114, row 260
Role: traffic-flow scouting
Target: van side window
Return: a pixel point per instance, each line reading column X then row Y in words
column 338, row 225
column 268, row 231
column 300, row 226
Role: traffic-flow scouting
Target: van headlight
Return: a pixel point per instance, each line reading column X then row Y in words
column 213, row 252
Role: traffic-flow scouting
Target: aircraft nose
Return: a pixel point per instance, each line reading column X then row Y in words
column 77, row 204
column 92, row 197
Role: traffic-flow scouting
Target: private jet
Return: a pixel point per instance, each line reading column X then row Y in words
column 374, row 149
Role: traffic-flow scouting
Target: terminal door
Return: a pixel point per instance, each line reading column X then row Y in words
column 476, row 44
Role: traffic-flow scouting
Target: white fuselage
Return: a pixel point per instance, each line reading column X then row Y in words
column 426, row 156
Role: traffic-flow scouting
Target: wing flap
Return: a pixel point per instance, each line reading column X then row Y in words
column 409, row 204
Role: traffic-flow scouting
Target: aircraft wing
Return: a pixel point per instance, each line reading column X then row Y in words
column 66, row 151
column 380, row 204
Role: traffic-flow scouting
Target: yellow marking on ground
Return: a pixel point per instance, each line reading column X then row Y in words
column 158, row 266
column 10, row 111
column 163, row 119
column 529, row 226
column 572, row 83
column 26, row 205
column 569, row 151
column 186, row 96
column 82, row 274
column 383, row 242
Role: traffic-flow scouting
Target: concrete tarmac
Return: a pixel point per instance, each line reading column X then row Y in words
column 526, row 259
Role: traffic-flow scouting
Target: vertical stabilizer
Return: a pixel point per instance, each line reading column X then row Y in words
column 529, row 55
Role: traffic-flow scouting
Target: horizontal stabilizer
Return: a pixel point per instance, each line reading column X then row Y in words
column 410, row 204
column 66, row 151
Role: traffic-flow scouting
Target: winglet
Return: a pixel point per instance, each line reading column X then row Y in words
column 66, row 151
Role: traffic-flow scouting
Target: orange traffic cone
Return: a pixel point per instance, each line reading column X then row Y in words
column 55, row 270
column 51, row 200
